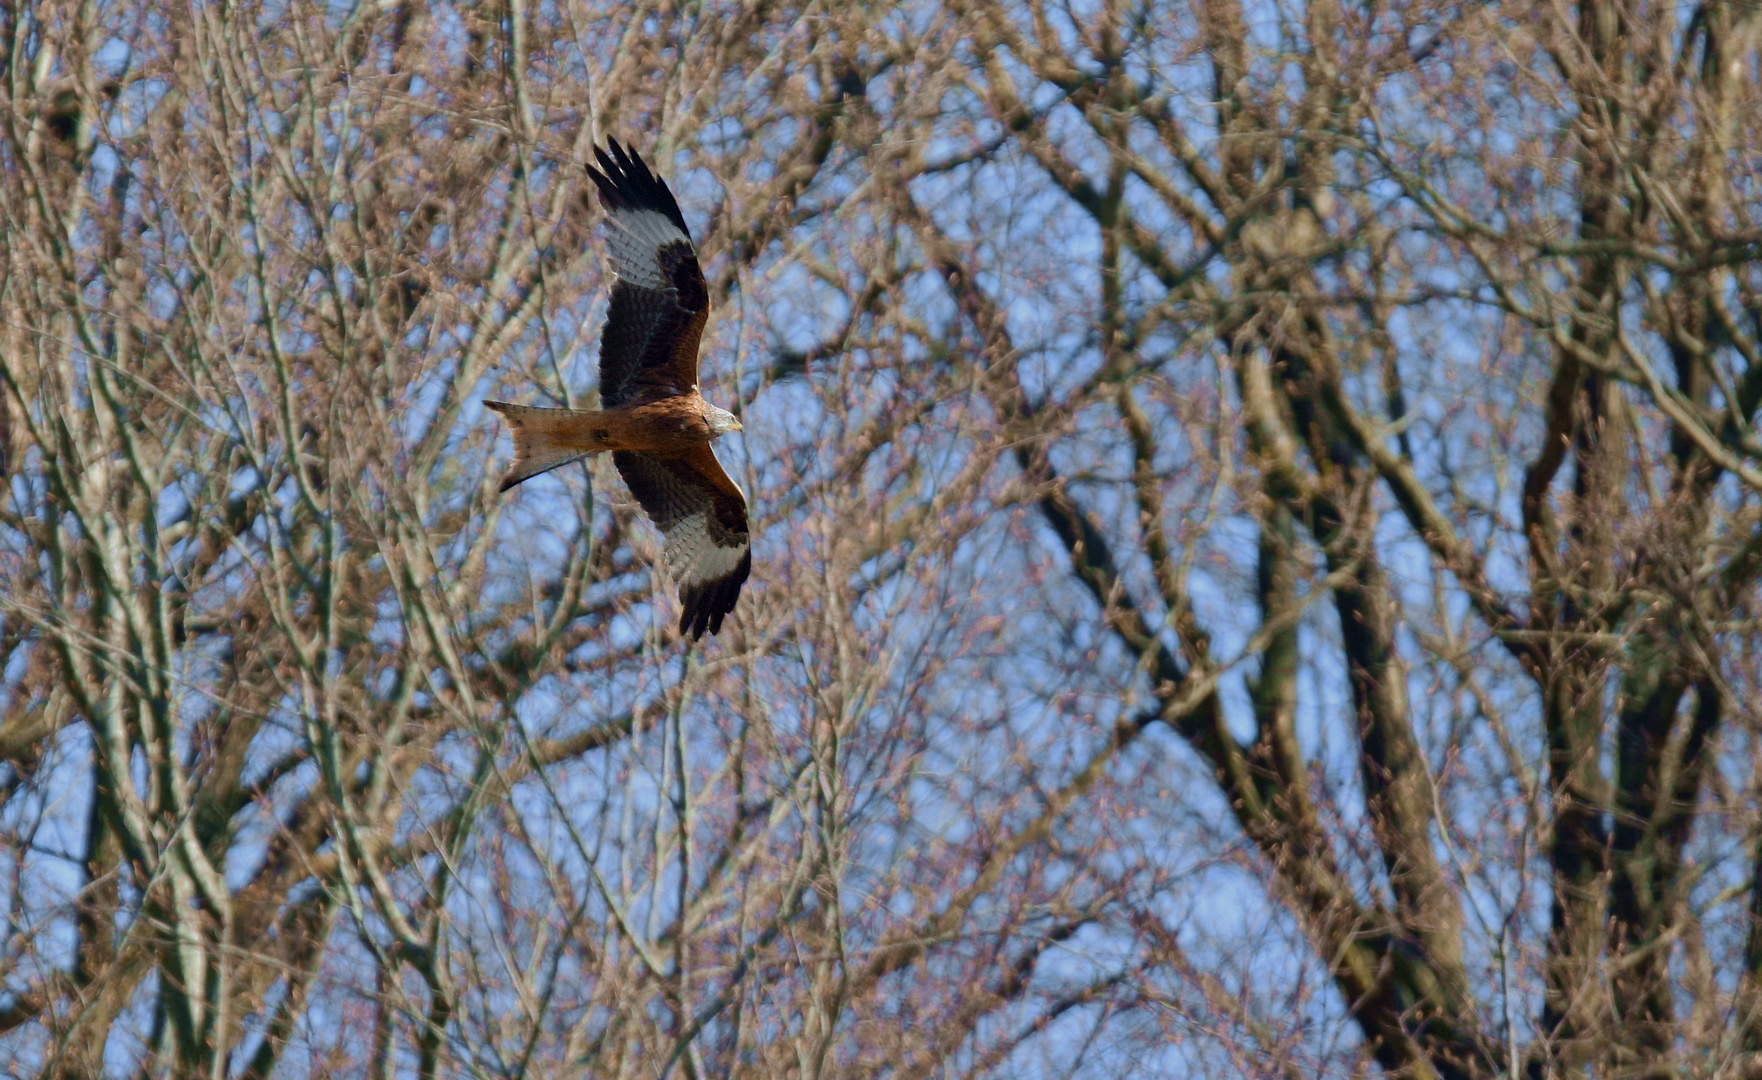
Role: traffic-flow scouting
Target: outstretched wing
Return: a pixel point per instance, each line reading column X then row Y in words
column 702, row 514
column 659, row 302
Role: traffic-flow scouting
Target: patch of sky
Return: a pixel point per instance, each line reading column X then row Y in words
column 593, row 807
column 912, row 19
column 560, row 707
column 25, row 488
column 137, row 100
column 422, row 398
column 48, row 812
column 542, row 526
column 127, row 1044
column 42, row 873
column 23, row 1049
column 281, row 735
column 802, row 309
column 12, row 672
column 164, row 297
column 173, row 505
column 261, row 820
column 256, row 1026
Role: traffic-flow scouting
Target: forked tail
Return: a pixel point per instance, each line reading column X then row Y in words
column 547, row 438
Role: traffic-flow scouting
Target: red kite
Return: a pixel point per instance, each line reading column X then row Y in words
column 654, row 422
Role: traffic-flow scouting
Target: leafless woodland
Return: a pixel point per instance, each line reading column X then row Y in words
column 1257, row 517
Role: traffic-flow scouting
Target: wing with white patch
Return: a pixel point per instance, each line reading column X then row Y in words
column 702, row 515
column 659, row 302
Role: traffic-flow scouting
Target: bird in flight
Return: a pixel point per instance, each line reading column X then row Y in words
column 656, row 425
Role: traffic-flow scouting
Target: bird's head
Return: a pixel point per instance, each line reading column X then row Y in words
column 721, row 421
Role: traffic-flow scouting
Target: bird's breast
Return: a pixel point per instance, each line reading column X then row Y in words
column 668, row 426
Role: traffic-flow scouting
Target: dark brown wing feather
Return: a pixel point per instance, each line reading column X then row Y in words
column 660, row 302
column 702, row 515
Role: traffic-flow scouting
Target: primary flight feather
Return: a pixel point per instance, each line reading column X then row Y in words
column 655, row 424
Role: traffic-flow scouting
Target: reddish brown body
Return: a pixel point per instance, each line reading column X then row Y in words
column 669, row 426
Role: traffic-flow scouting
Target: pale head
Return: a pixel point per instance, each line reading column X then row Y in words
column 721, row 421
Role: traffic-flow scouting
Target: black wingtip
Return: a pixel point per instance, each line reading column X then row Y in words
column 707, row 605
column 626, row 183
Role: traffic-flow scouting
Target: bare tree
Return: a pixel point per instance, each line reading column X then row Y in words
column 1255, row 541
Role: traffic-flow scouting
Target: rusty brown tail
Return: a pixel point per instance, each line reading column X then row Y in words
column 547, row 438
